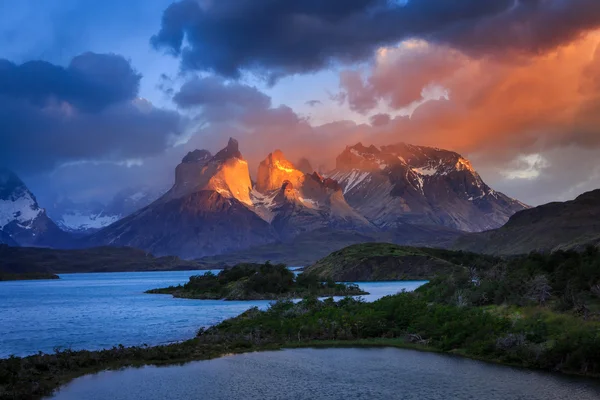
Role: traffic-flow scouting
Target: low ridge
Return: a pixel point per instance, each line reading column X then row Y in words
column 555, row 226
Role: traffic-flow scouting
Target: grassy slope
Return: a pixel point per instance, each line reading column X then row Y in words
column 103, row 259
column 385, row 261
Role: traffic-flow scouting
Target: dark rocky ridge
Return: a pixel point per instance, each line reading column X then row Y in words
column 556, row 226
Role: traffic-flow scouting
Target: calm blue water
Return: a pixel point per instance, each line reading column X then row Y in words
column 94, row 311
column 331, row 374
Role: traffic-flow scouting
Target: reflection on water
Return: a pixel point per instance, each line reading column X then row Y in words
column 331, row 374
column 95, row 311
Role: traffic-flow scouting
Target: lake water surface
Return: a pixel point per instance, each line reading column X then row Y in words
column 331, row 374
column 95, row 311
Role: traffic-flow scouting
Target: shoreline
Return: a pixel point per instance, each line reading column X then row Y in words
column 193, row 350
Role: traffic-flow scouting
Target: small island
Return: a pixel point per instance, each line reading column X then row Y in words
column 258, row 282
column 27, row 276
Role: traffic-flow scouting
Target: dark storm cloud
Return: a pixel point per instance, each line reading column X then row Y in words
column 88, row 111
column 90, row 82
column 215, row 92
column 281, row 37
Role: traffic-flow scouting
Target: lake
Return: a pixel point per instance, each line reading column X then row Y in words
column 331, row 374
column 95, row 311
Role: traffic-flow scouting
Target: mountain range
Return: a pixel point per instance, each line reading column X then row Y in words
column 400, row 193
column 214, row 207
column 81, row 218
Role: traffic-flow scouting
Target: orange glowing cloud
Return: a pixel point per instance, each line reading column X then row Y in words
column 494, row 103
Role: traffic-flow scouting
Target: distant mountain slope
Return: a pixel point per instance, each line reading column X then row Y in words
column 385, row 261
column 309, row 247
column 406, row 184
column 569, row 225
column 6, row 239
column 21, row 260
column 206, row 212
column 88, row 217
column 23, row 219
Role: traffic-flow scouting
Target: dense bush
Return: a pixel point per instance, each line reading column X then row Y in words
column 563, row 280
column 257, row 281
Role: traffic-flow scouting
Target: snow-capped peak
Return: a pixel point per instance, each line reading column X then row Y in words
column 17, row 203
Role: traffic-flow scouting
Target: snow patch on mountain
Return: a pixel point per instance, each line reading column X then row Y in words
column 77, row 221
column 23, row 209
column 350, row 180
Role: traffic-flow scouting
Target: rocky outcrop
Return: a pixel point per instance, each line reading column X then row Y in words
column 226, row 173
column 274, row 170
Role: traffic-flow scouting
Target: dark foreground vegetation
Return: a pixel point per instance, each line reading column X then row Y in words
column 537, row 311
column 27, row 276
column 16, row 260
column 389, row 262
column 257, row 282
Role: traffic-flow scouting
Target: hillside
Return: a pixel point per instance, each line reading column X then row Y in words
column 386, row 262
column 20, row 260
column 555, row 226
column 307, row 248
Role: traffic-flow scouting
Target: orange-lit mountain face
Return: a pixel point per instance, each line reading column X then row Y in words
column 295, row 202
column 225, row 173
column 213, row 207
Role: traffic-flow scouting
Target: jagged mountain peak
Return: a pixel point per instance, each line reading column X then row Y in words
column 404, row 183
column 18, row 206
column 21, row 217
column 232, row 150
column 226, row 173
column 197, row 156
column 274, row 170
column 362, row 158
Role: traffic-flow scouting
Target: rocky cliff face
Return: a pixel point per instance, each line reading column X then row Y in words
column 226, row 173
column 404, row 184
column 295, row 202
column 206, row 212
column 22, row 220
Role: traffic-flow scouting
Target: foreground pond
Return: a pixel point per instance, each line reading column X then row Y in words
column 95, row 311
column 299, row 374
